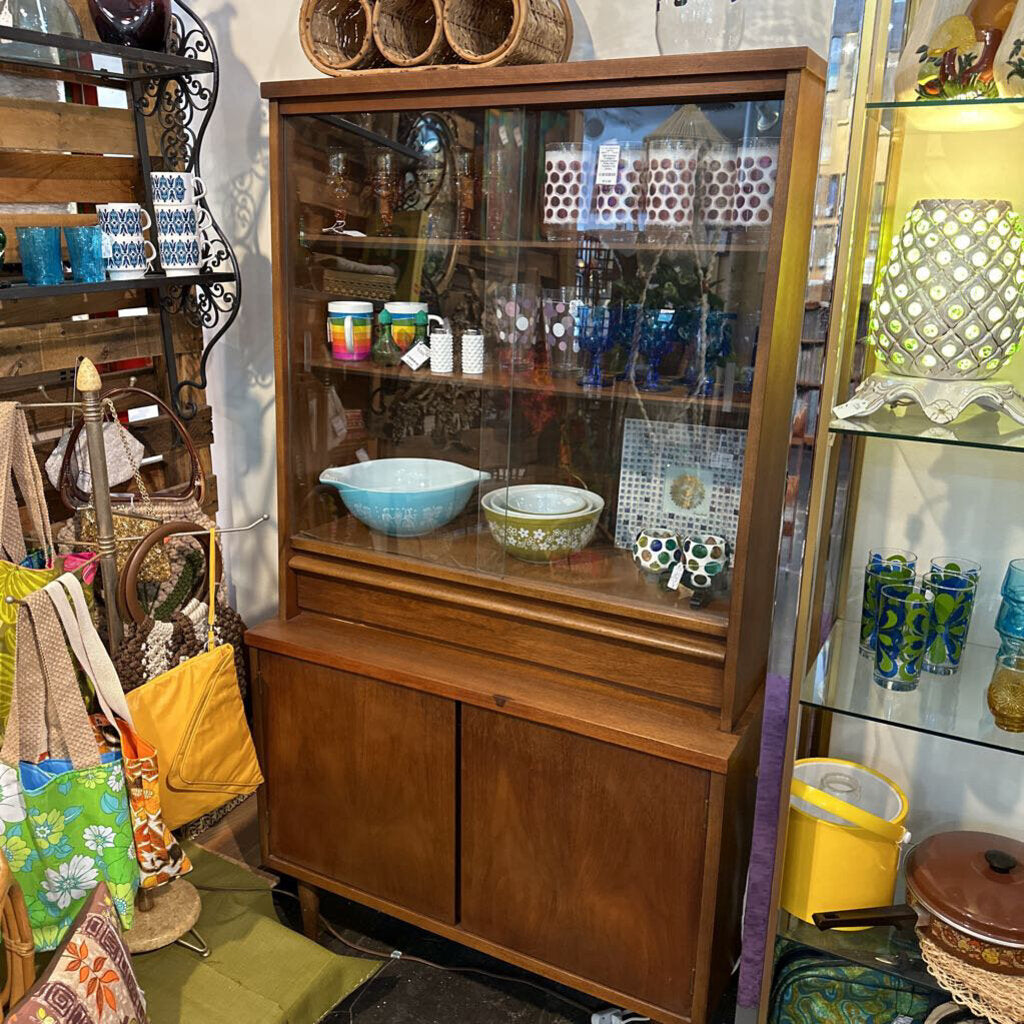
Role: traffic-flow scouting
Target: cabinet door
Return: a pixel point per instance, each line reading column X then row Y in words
column 582, row 854
column 361, row 782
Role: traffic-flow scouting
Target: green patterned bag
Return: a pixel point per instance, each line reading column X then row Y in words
column 17, row 458
column 812, row 987
column 64, row 818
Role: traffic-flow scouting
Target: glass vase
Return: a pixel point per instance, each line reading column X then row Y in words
column 142, row 23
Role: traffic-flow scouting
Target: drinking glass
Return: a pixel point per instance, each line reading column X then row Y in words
column 904, row 620
column 560, row 305
column 385, row 187
column 40, row 256
column 885, row 565
column 339, row 188
column 657, row 333
column 625, row 326
column 593, row 332
column 953, row 596
column 85, row 247
column 514, row 309
column 956, row 564
column 1010, row 620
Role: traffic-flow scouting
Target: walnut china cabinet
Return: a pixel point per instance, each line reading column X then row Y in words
column 484, row 708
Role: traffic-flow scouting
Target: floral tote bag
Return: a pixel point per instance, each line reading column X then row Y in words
column 65, row 824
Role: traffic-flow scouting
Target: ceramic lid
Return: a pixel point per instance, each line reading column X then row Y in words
column 973, row 881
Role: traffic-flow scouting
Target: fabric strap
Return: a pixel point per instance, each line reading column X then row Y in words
column 212, row 613
column 17, row 457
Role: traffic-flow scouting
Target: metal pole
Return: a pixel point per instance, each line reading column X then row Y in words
column 88, row 383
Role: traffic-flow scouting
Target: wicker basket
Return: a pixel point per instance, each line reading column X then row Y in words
column 491, row 32
column 410, row 33
column 337, row 35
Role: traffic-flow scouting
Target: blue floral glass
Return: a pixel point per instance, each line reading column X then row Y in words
column 904, row 620
column 952, row 605
column 40, row 256
column 1010, row 620
column 85, row 247
column 884, row 565
column 656, row 335
column 593, row 332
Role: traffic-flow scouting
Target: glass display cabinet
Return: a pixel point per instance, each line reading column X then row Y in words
column 537, row 338
column 908, row 640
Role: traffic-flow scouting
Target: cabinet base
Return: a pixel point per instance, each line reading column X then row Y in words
column 942, row 400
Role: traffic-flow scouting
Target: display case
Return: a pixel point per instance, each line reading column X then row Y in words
column 555, row 538
column 920, row 423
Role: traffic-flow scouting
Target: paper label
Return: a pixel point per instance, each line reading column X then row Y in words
column 677, row 576
column 608, row 164
column 901, row 1019
column 517, row 134
column 503, row 134
column 362, row 455
column 416, row 356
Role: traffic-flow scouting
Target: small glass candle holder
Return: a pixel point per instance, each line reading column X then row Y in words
column 951, row 609
column 904, row 620
column 884, row 565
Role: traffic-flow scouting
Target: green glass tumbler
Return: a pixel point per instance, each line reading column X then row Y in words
column 884, row 565
column 951, row 609
column 904, row 620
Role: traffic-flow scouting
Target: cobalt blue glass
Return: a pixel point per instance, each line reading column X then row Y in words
column 593, row 331
column 625, row 320
column 40, row 256
column 656, row 335
column 85, row 247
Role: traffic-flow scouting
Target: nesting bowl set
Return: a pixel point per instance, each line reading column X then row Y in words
column 542, row 522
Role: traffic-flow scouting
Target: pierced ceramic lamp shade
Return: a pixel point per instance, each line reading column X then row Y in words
column 949, row 304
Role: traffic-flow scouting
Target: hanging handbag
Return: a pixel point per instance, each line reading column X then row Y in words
column 17, row 581
column 160, row 856
column 195, row 717
column 65, row 824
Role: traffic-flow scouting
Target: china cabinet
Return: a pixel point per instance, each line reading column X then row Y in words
column 915, row 447
column 514, row 691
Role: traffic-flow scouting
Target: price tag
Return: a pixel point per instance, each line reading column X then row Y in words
column 677, row 576
column 362, row 455
column 901, row 1019
column 517, row 134
column 416, row 356
column 503, row 134
column 608, row 164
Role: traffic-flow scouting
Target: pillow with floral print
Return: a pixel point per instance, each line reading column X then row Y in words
column 90, row 978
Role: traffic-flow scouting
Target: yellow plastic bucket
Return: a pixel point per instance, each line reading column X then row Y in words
column 844, row 839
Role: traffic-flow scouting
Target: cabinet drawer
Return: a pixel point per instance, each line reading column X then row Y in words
column 360, row 782
column 585, row 855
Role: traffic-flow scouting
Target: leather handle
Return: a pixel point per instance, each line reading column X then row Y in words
column 900, row 916
column 128, row 581
column 74, row 498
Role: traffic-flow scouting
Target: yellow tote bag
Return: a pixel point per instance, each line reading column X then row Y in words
column 193, row 715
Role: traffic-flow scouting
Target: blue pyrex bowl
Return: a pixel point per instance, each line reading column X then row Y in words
column 404, row 497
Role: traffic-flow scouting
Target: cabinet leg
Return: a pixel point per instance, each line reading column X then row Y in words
column 309, row 901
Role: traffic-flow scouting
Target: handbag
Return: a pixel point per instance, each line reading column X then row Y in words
column 195, row 717
column 17, row 581
column 90, row 979
column 159, row 854
column 65, row 823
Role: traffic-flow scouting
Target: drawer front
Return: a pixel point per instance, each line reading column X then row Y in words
column 360, row 782
column 587, row 856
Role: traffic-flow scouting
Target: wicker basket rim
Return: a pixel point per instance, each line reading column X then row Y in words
column 309, row 45
column 408, row 62
column 518, row 23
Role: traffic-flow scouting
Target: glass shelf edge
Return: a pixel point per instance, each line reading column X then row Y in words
column 924, row 105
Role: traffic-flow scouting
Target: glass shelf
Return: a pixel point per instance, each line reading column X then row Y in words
column 918, row 104
column 20, row 290
column 975, row 429
column 892, row 950
column 70, row 59
column 953, row 707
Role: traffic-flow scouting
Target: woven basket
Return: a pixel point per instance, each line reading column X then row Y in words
column 410, row 33
column 491, row 32
column 337, row 35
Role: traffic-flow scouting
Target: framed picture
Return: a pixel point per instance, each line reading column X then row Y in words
column 684, row 477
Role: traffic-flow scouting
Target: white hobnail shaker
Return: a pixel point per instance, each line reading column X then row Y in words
column 472, row 353
column 442, row 352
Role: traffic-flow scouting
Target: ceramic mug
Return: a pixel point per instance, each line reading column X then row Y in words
column 181, row 219
column 403, row 321
column 128, row 257
column 176, row 188
column 40, row 256
column 350, row 329
column 123, row 220
column 181, row 255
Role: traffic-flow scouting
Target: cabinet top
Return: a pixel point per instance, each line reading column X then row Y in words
column 643, row 71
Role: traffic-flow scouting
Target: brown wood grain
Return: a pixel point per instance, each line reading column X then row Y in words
column 361, row 782
column 58, row 178
column 52, row 127
column 572, row 854
column 26, row 312
column 603, row 711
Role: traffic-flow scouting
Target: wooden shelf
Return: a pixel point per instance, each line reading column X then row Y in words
column 20, row 290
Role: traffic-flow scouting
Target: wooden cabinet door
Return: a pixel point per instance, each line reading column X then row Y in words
column 585, row 855
column 360, row 782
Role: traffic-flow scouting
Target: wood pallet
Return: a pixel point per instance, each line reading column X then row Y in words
column 77, row 154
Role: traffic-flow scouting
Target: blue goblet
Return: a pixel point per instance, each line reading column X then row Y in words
column 593, row 331
column 625, row 323
column 657, row 333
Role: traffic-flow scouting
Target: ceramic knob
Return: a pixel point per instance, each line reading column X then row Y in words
column 656, row 551
column 707, row 557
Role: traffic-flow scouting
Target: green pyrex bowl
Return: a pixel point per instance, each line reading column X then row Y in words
column 547, row 539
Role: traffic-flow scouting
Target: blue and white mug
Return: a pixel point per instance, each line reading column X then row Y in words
column 181, row 220
column 176, row 188
column 128, row 257
column 123, row 220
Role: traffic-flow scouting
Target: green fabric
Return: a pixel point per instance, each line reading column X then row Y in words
column 259, row 971
column 64, row 831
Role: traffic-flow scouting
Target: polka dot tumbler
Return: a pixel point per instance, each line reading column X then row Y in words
column 755, row 195
column 618, row 207
column 560, row 331
column 671, row 184
column 718, row 171
column 514, row 309
column 563, row 189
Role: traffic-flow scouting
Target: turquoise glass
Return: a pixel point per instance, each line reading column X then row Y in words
column 1010, row 620
column 40, row 256
column 85, row 247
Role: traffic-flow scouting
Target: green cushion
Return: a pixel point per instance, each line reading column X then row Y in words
column 259, row 971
